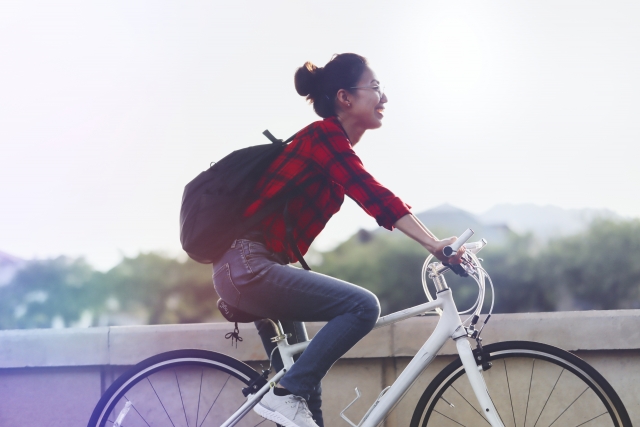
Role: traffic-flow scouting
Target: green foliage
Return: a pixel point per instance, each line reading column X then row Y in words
column 147, row 289
column 385, row 265
column 597, row 269
column 390, row 265
column 59, row 288
column 517, row 276
column 162, row 290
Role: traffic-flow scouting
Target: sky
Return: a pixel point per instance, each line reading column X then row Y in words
column 109, row 108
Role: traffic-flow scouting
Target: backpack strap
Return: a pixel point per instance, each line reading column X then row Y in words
column 287, row 217
column 275, row 140
column 290, row 240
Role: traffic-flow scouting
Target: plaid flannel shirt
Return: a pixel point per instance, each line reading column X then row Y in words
column 321, row 162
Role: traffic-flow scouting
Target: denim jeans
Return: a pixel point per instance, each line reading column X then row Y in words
column 255, row 280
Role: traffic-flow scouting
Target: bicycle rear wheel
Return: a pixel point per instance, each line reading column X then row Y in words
column 530, row 384
column 190, row 388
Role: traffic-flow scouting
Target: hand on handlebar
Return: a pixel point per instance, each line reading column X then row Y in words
column 455, row 260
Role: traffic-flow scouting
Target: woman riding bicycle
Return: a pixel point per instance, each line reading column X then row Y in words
column 254, row 275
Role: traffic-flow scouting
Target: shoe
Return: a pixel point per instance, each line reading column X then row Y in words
column 288, row 411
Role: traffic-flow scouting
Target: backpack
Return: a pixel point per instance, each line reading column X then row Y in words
column 213, row 203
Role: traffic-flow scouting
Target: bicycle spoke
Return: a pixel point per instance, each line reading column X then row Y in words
column 548, row 397
column 181, row 400
column 134, row 408
column 199, row 396
column 162, row 404
column 574, row 401
column 449, row 418
column 588, row 421
column 447, row 402
column 545, row 386
column 168, row 388
column 494, row 405
column 215, row 400
column 509, row 388
column 526, row 412
column 260, row 423
column 469, row 403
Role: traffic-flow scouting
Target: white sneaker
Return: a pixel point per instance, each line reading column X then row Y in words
column 288, row 411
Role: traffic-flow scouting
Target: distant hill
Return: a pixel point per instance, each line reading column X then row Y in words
column 9, row 265
column 447, row 220
column 544, row 222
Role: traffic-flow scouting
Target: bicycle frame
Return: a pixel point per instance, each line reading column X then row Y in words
column 449, row 326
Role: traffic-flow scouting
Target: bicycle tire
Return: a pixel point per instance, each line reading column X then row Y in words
column 531, row 384
column 190, row 388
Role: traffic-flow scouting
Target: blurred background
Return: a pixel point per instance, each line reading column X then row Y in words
column 517, row 120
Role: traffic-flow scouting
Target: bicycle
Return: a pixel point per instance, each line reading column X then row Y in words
column 505, row 384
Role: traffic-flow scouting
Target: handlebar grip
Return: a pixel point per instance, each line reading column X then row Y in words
column 453, row 248
column 476, row 247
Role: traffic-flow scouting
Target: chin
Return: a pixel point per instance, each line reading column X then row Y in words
column 376, row 124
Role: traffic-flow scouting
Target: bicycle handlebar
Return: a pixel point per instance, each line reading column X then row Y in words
column 453, row 248
column 475, row 247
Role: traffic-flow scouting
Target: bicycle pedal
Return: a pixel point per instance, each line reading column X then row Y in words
column 256, row 384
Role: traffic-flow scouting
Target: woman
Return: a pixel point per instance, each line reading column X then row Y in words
column 254, row 275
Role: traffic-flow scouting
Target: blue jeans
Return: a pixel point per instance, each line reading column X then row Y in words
column 257, row 281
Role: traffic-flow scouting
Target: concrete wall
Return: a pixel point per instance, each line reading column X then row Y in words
column 55, row 377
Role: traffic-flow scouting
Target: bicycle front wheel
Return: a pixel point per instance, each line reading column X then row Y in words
column 190, row 388
column 530, row 384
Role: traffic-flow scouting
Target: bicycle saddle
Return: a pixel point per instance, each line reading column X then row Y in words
column 233, row 314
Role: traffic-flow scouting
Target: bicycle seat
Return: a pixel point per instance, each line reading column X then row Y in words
column 233, row 314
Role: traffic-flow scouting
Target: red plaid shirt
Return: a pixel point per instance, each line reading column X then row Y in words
column 321, row 161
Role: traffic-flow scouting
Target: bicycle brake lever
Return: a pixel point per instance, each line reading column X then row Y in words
column 459, row 269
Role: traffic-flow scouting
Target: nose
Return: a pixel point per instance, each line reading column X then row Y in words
column 383, row 98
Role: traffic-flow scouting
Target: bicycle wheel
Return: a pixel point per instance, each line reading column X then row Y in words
column 190, row 388
column 530, row 384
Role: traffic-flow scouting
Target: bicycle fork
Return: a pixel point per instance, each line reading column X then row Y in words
column 474, row 373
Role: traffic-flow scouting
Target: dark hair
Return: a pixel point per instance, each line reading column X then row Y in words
column 320, row 84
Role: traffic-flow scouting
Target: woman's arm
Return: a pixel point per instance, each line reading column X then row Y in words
column 333, row 153
column 414, row 228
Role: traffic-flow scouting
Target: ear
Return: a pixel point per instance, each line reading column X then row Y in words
column 344, row 99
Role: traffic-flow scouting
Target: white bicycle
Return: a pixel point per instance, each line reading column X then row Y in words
column 506, row 384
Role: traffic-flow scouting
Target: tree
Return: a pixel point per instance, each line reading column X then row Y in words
column 47, row 292
column 390, row 266
column 156, row 289
column 517, row 277
column 147, row 289
column 598, row 269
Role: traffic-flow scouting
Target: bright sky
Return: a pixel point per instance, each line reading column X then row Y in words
column 109, row 108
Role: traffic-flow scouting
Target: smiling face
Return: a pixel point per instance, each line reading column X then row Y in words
column 366, row 102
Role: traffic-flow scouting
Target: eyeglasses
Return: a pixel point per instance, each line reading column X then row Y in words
column 377, row 87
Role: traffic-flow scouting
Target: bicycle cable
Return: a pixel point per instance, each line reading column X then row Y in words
column 479, row 275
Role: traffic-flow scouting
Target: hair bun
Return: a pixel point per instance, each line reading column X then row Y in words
column 321, row 84
column 306, row 80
